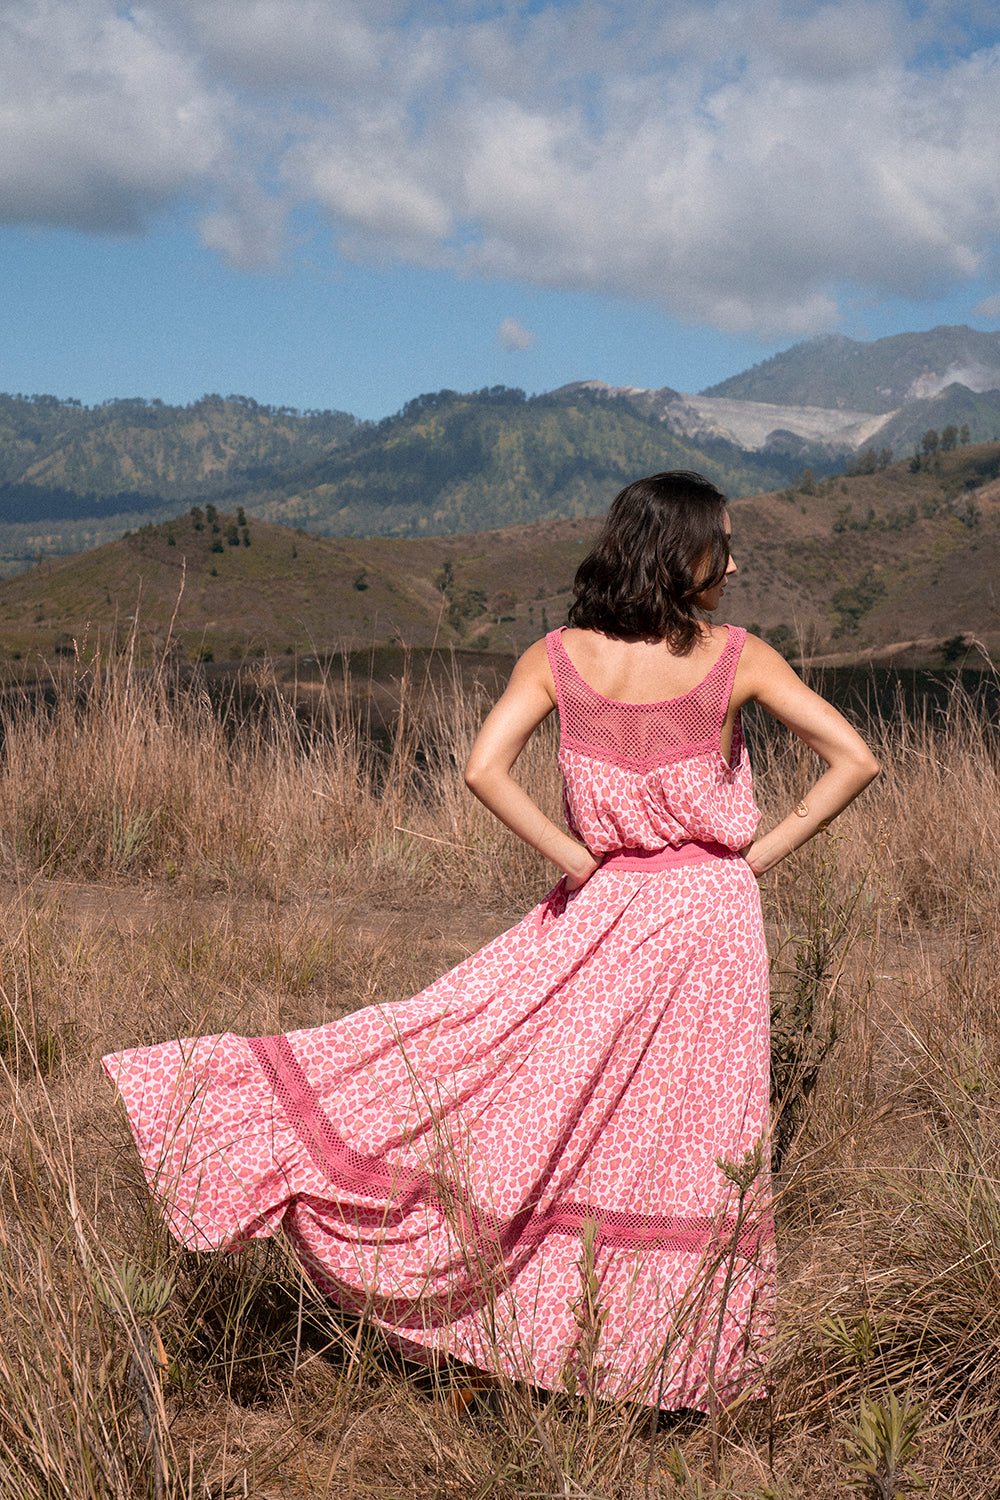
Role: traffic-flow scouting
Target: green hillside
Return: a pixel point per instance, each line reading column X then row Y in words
column 862, row 563
column 63, row 461
column 956, row 406
column 237, row 590
column 453, row 463
column 836, row 371
column 73, row 478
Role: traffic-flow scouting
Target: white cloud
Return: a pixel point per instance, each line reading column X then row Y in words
column 514, row 337
column 989, row 307
column 280, row 45
column 738, row 162
column 378, row 190
column 835, row 41
column 248, row 229
column 102, row 119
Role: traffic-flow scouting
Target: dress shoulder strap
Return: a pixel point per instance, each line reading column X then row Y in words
column 717, row 688
column 558, row 661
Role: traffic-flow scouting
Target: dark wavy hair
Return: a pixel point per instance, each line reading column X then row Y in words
column 637, row 582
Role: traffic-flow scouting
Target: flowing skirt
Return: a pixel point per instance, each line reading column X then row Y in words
column 549, row 1164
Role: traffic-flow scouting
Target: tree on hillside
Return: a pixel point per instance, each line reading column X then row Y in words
column 949, row 438
column 501, row 604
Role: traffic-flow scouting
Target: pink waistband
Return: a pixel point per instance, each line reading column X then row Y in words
column 692, row 852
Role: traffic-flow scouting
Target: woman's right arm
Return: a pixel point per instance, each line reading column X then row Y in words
column 529, row 698
column 766, row 677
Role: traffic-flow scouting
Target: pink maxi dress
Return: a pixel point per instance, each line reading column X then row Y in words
column 520, row 1167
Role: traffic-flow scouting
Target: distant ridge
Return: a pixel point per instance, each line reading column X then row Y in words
column 452, row 462
column 815, row 436
column 880, row 376
column 148, row 452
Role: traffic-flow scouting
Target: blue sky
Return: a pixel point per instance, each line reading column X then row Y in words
column 322, row 203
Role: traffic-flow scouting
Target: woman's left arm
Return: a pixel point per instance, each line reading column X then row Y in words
column 529, row 698
column 766, row 677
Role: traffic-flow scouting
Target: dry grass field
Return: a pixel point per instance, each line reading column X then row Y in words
column 168, row 870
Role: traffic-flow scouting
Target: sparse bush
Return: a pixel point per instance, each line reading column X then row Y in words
column 465, row 605
column 856, row 600
column 884, row 1438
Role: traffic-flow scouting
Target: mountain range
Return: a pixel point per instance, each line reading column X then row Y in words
column 73, row 477
column 834, row 396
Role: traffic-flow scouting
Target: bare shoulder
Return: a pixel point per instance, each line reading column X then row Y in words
column 757, row 658
column 582, row 645
column 763, row 675
column 535, row 659
column 533, row 671
column 767, row 678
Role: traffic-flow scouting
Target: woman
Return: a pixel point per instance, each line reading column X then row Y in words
column 550, row 1163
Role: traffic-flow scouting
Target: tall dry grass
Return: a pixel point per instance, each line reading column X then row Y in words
column 172, row 868
column 110, row 772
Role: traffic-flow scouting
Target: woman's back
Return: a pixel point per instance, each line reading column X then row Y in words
column 642, row 671
column 647, row 672
column 643, row 771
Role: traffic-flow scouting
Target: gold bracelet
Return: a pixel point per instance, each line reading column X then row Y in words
column 802, row 811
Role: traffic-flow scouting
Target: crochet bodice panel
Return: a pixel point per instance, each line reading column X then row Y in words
column 644, row 775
